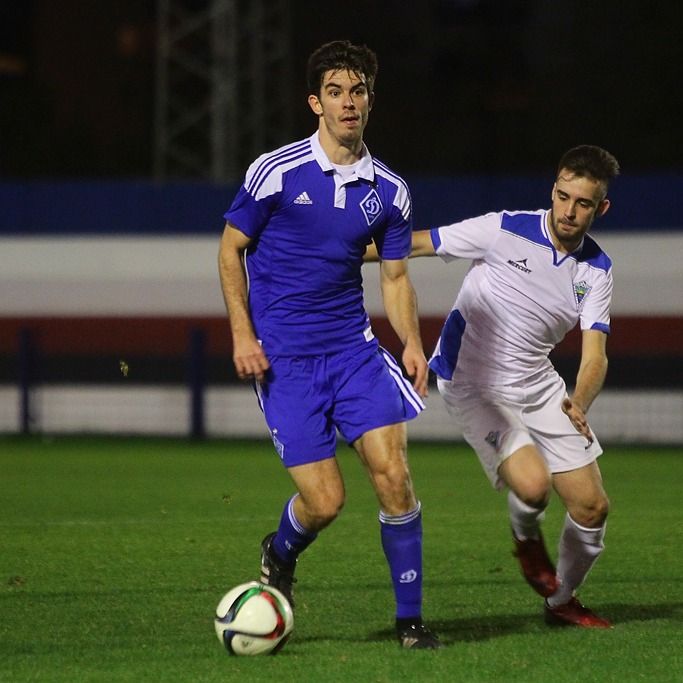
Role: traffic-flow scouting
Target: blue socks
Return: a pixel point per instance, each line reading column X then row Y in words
column 402, row 544
column 291, row 538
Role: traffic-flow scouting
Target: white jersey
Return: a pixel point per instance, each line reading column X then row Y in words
column 519, row 298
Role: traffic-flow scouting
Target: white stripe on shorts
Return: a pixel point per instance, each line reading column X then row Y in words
column 259, row 394
column 403, row 384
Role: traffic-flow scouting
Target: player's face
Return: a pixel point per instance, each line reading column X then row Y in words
column 343, row 106
column 576, row 203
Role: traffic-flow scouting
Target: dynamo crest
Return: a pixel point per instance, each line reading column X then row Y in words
column 581, row 290
column 371, row 206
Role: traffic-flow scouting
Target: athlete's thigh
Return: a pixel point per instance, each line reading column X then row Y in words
column 296, row 404
column 383, row 452
column 491, row 424
column 527, row 474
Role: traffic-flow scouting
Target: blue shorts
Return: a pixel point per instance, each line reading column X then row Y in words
column 306, row 399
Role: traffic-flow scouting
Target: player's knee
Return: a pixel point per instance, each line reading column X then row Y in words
column 535, row 492
column 592, row 514
column 324, row 511
column 599, row 511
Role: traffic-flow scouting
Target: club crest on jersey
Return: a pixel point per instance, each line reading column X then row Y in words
column 371, row 206
column 581, row 290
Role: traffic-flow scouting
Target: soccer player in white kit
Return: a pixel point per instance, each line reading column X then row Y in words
column 534, row 276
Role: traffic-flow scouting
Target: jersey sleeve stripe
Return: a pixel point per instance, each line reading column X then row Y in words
column 402, row 199
column 390, row 175
column 264, row 165
column 272, row 182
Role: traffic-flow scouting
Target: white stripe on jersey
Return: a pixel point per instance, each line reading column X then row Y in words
column 264, row 177
column 262, row 166
column 402, row 198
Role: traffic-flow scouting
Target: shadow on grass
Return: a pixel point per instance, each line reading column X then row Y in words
column 620, row 613
column 476, row 629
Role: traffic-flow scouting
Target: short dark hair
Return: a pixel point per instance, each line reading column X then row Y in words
column 341, row 54
column 590, row 161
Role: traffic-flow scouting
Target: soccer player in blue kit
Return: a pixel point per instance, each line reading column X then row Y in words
column 533, row 276
column 290, row 267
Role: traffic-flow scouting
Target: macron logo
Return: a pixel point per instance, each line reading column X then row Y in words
column 303, row 198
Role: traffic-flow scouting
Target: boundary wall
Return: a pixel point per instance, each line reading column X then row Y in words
column 95, row 273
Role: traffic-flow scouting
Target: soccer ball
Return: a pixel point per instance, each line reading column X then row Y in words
column 253, row 619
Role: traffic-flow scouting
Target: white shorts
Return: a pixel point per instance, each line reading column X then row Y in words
column 499, row 420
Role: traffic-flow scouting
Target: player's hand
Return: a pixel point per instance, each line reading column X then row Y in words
column 578, row 418
column 415, row 363
column 250, row 360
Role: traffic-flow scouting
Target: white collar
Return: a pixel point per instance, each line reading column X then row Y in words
column 364, row 170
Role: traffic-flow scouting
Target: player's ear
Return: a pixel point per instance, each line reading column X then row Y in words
column 602, row 207
column 371, row 100
column 552, row 193
column 314, row 104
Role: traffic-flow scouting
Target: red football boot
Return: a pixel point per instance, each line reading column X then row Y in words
column 573, row 613
column 537, row 568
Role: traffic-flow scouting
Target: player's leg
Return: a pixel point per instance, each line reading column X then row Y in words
column 581, row 543
column 319, row 498
column 528, row 479
column 305, row 440
column 373, row 402
column 493, row 426
column 383, row 453
column 577, row 480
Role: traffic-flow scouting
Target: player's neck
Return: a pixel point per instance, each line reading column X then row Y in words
column 339, row 151
column 562, row 246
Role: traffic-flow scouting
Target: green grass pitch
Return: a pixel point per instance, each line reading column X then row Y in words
column 115, row 552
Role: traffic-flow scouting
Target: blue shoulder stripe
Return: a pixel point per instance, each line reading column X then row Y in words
column 527, row 225
column 593, row 255
column 273, row 159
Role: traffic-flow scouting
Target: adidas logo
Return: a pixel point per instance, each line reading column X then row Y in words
column 303, row 198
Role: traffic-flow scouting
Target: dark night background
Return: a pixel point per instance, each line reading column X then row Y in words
column 465, row 86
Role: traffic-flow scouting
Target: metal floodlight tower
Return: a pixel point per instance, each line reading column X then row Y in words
column 222, row 86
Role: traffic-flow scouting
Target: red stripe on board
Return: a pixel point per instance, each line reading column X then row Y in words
column 166, row 336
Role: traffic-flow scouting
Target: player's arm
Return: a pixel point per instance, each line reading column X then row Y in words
column 589, row 380
column 421, row 245
column 400, row 304
column 248, row 356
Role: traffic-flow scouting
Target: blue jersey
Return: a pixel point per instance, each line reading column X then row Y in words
column 309, row 228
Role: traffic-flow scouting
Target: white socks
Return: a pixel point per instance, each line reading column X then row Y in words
column 580, row 547
column 524, row 519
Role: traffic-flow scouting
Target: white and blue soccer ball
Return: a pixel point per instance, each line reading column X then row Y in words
column 253, row 619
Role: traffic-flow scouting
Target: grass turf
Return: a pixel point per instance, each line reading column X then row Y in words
column 115, row 552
